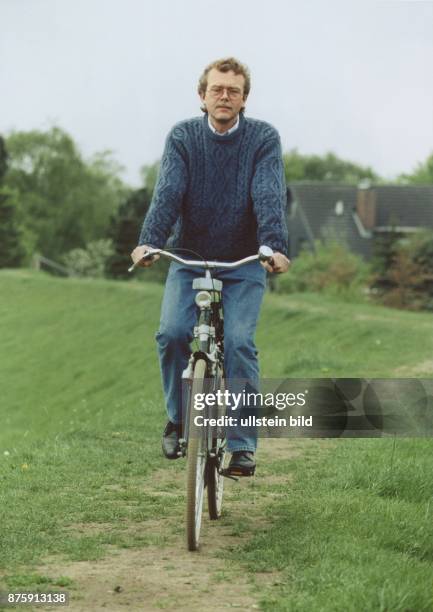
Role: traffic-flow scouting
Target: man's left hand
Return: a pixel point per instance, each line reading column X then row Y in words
column 281, row 264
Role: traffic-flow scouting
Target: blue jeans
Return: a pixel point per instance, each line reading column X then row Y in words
column 243, row 290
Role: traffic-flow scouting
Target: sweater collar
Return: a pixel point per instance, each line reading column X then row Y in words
column 229, row 136
column 232, row 129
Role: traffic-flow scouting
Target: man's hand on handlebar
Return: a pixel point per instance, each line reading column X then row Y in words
column 280, row 264
column 139, row 252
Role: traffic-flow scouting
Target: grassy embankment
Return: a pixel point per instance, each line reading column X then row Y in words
column 81, row 409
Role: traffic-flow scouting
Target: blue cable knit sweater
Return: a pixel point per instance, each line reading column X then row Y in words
column 225, row 195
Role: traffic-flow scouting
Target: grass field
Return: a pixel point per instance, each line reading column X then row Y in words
column 81, row 471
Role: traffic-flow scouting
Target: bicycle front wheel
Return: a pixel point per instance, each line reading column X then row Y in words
column 196, row 463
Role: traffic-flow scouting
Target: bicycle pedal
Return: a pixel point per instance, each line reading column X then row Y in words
column 238, row 473
column 228, row 475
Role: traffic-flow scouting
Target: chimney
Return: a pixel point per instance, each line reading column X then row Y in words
column 366, row 204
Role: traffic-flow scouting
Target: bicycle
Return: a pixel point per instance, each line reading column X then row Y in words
column 203, row 446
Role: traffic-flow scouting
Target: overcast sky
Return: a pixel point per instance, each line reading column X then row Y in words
column 349, row 77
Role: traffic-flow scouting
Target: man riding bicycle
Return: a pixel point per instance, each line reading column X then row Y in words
column 221, row 184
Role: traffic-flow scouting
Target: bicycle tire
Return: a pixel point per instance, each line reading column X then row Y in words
column 196, row 464
column 214, row 478
column 215, row 486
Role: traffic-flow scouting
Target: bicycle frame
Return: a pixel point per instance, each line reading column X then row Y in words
column 209, row 334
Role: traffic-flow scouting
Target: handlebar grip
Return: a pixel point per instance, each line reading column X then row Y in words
column 146, row 256
column 265, row 254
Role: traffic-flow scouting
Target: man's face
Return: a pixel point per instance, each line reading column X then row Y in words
column 224, row 96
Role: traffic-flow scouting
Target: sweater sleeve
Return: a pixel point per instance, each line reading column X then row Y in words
column 269, row 196
column 169, row 190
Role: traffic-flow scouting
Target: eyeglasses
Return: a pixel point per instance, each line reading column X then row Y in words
column 216, row 91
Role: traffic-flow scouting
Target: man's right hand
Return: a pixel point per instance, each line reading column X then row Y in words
column 139, row 252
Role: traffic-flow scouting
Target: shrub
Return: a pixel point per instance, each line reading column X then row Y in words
column 408, row 281
column 332, row 269
column 91, row 261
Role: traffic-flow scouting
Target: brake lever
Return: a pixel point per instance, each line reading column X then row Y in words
column 134, row 265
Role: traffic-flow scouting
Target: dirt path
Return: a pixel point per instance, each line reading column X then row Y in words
column 169, row 577
column 424, row 369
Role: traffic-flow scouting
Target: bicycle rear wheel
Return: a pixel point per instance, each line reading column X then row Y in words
column 215, row 483
column 214, row 466
column 196, row 463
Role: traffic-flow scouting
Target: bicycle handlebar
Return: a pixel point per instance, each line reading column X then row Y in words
column 265, row 254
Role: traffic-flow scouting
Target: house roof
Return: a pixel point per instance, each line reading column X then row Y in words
column 315, row 207
column 404, row 205
column 314, row 212
column 318, row 202
column 401, row 205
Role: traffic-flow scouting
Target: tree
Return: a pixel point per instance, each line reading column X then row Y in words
column 149, row 175
column 12, row 251
column 328, row 168
column 65, row 201
column 3, row 159
column 422, row 175
column 124, row 231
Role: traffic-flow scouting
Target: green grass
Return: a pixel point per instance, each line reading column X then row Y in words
column 81, row 412
column 74, row 352
column 313, row 335
column 354, row 532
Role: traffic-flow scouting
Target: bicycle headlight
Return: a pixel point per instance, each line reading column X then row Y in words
column 203, row 299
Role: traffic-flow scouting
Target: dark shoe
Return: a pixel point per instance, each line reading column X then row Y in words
column 170, row 440
column 242, row 463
